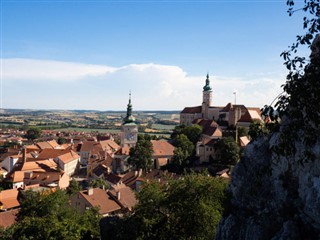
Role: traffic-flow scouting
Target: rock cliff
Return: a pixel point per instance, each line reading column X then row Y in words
column 275, row 188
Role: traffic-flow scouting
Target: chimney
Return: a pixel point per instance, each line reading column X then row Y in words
column 140, row 172
column 24, row 155
column 118, row 195
column 135, row 173
column 90, row 191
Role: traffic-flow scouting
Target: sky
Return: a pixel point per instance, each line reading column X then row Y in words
column 91, row 54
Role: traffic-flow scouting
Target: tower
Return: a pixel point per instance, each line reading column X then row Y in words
column 129, row 130
column 207, row 98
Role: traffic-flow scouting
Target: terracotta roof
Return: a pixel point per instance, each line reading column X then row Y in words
column 123, row 151
column 127, row 196
column 68, row 157
column 9, row 198
column 109, row 145
column 100, row 170
column 8, row 218
column 44, row 145
column 209, row 127
column 51, row 153
column 9, row 154
column 101, row 199
column 44, row 177
column 162, row 148
column 88, row 146
column 230, row 107
column 249, row 116
column 113, row 178
column 40, row 165
column 190, row 110
column 32, row 147
column 209, row 142
column 53, row 143
column 227, row 108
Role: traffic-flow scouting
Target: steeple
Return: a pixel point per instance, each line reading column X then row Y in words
column 207, row 86
column 129, row 118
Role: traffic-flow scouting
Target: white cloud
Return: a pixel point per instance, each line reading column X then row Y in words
column 33, row 69
column 154, row 86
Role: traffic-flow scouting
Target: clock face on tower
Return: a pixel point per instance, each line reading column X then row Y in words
column 130, row 136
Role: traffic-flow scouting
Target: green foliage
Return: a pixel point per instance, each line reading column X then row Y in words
column 74, row 187
column 301, row 99
column 187, row 208
column 242, row 132
column 193, row 132
column 33, row 133
column 61, row 140
column 99, row 183
column 183, row 151
column 49, row 216
column 141, row 154
column 256, row 129
column 227, row 151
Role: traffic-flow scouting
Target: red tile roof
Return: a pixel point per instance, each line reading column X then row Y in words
column 8, row 218
column 162, row 148
column 190, row 110
column 102, row 200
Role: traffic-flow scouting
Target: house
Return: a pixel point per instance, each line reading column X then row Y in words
column 48, row 145
column 124, row 196
column 9, row 199
column 8, row 218
column 95, row 197
column 47, row 179
column 16, row 177
column 163, row 152
column 68, row 162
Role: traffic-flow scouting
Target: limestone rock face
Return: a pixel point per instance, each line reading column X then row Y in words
column 277, row 196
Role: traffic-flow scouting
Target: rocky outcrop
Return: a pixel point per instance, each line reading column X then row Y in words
column 276, row 194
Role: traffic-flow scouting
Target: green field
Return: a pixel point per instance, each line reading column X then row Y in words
column 88, row 130
column 163, row 127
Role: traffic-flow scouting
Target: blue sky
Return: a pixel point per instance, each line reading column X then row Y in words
column 89, row 54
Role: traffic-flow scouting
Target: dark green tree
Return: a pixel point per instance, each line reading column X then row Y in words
column 227, row 151
column 61, row 140
column 73, row 187
column 99, row 183
column 193, row 132
column 256, row 129
column 141, row 154
column 183, row 151
column 187, row 208
column 48, row 215
column 33, row 133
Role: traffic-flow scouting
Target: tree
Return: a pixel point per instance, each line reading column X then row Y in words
column 141, row 154
column 100, row 183
column 48, row 215
column 186, row 208
column 73, row 187
column 227, row 151
column 256, row 129
column 183, row 151
column 193, row 132
column 33, row 133
column 61, row 140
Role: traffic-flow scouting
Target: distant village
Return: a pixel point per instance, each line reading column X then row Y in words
column 56, row 157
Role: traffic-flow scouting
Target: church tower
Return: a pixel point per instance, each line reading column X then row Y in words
column 129, row 130
column 207, row 98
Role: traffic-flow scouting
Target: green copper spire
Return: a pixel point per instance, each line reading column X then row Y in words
column 129, row 118
column 207, row 86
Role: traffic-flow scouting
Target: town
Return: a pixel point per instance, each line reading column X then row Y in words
column 106, row 169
